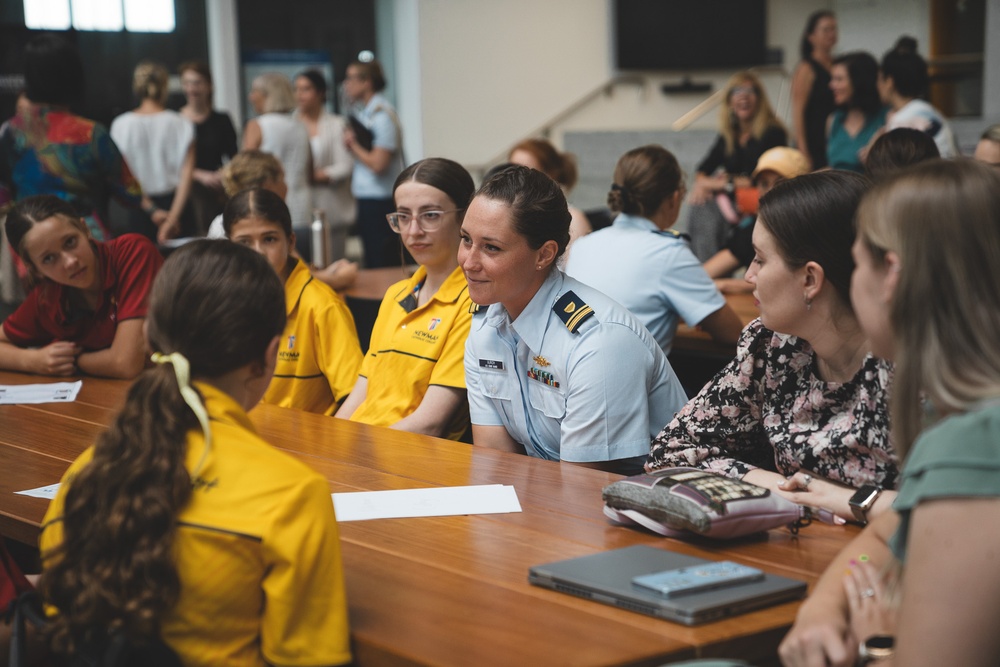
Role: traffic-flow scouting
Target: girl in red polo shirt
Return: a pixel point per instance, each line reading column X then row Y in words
column 86, row 311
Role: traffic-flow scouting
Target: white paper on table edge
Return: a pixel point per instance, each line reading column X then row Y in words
column 434, row 501
column 48, row 492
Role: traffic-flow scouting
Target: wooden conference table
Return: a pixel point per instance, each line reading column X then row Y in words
column 448, row 590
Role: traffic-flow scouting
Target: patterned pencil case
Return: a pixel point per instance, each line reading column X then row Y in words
column 680, row 501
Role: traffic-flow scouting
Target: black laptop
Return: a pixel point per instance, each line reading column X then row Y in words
column 607, row 577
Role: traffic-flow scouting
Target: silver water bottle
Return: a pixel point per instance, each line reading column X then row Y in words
column 320, row 254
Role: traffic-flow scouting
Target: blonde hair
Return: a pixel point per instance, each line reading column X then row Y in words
column 278, row 92
column 250, row 169
column 763, row 118
column 150, row 80
column 992, row 133
column 942, row 218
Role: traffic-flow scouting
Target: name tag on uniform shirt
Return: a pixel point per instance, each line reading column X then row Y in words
column 491, row 364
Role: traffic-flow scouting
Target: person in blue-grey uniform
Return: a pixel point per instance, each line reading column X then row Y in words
column 554, row 368
column 640, row 262
column 378, row 160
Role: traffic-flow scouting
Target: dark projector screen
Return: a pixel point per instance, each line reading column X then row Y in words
column 690, row 34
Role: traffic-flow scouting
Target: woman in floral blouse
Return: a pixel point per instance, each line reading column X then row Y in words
column 803, row 408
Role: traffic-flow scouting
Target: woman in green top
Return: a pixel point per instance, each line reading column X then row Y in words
column 925, row 289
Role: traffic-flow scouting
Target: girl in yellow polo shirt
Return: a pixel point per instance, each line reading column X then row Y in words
column 181, row 523
column 413, row 378
column 319, row 354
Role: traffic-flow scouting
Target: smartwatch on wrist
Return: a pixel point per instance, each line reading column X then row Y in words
column 862, row 501
column 875, row 648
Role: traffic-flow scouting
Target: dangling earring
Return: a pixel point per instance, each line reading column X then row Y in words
column 809, row 303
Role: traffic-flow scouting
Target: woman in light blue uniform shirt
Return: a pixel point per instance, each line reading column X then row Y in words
column 640, row 262
column 554, row 368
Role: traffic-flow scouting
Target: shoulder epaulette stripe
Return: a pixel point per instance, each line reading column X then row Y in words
column 579, row 317
column 674, row 233
column 572, row 311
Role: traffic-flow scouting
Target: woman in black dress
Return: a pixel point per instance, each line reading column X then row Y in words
column 215, row 142
column 812, row 100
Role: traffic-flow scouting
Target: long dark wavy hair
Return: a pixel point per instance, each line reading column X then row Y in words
column 862, row 70
column 220, row 305
column 805, row 46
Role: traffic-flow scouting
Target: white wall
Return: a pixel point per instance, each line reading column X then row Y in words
column 494, row 72
column 491, row 73
column 407, row 76
column 874, row 25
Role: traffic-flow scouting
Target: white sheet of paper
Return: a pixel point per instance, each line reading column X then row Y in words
column 47, row 492
column 53, row 392
column 439, row 501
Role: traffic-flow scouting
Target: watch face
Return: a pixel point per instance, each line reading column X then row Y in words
column 876, row 647
column 862, row 500
column 865, row 496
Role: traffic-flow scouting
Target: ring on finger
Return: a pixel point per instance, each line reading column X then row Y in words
column 868, row 593
column 806, row 480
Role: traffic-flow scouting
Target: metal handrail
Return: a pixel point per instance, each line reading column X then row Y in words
column 683, row 122
column 699, row 110
column 545, row 129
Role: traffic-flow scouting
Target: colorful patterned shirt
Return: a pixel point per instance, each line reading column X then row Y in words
column 768, row 408
column 48, row 150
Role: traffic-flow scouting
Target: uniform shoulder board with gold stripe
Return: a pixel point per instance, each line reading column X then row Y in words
column 674, row 233
column 572, row 311
column 475, row 308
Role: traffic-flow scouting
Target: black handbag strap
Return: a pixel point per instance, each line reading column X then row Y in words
column 27, row 609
